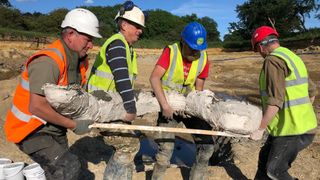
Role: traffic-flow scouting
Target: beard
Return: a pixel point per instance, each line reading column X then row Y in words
column 191, row 57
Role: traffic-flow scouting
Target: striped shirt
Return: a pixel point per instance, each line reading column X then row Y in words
column 117, row 61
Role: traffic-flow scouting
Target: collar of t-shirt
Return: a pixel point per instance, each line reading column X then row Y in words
column 186, row 67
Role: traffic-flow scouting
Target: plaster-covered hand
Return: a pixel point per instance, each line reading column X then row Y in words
column 167, row 112
column 82, row 127
column 182, row 114
column 257, row 134
column 129, row 117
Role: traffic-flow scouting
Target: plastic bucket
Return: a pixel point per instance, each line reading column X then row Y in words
column 13, row 171
column 3, row 161
column 34, row 172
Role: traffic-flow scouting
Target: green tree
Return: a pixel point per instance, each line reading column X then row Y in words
column 211, row 27
column 303, row 9
column 106, row 15
column 287, row 16
column 162, row 25
column 52, row 21
column 11, row 18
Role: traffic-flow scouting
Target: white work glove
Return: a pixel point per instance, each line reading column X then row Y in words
column 257, row 134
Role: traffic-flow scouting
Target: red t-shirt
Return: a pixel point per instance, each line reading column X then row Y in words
column 164, row 62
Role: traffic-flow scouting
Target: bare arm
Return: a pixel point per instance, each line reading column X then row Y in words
column 40, row 107
column 200, row 84
column 312, row 90
column 268, row 115
column 155, row 81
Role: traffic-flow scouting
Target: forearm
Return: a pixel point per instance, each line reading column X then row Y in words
column 118, row 64
column 200, row 84
column 158, row 91
column 40, row 107
column 268, row 115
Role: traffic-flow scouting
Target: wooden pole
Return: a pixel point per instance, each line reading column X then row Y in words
column 164, row 129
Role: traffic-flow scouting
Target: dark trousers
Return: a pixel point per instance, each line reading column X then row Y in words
column 277, row 155
column 52, row 153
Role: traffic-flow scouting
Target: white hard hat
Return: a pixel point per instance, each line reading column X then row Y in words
column 134, row 15
column 83, row 21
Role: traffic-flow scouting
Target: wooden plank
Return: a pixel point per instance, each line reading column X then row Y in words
column 164, row 129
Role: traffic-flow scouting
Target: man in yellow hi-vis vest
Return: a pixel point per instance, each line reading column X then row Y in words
column 115, row 69
column 287, row 94
column 183, row 67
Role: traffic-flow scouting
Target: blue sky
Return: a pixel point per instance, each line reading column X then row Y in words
column 222, row 11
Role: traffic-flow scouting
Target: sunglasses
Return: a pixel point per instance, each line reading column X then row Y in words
column 128, row 6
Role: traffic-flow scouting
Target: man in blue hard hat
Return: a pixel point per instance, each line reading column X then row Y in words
column 182, row 67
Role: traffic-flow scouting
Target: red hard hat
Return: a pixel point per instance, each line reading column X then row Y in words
column 261, row 33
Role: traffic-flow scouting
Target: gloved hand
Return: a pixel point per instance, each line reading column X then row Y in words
column 82, row 127
column 257, row 134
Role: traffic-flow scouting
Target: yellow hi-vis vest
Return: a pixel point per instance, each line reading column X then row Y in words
column 173, row 79
column 297, row 115
column 101, row 77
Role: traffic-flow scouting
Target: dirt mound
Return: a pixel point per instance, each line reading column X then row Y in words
column 308, row 50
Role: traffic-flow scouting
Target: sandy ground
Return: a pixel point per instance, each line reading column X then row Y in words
column 232, row 73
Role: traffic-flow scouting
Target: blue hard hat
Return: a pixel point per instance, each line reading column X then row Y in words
column 195, row 35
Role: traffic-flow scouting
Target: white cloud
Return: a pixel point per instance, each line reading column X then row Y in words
column 88, row 2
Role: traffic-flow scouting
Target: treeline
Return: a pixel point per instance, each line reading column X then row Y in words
column 162, row 27
column 286, row 16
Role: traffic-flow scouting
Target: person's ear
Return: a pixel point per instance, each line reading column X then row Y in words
column 71, row 34
column 259, row 48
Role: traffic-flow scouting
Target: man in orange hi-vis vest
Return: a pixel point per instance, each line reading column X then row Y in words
column 31, row 123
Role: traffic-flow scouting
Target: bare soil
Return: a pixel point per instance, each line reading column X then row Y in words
column 232, row 73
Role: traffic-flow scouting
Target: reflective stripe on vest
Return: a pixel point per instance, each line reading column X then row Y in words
column 169, row 83
column 19, row 121
column 298, row 81
column 24, row 83
column 24, row 117
column 297, row 115
column 19, row 114
column 101, row 77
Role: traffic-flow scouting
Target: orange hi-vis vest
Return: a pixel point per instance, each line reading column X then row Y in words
column 20, row 122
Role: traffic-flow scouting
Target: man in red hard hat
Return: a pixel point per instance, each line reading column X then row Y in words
column 287, row 94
